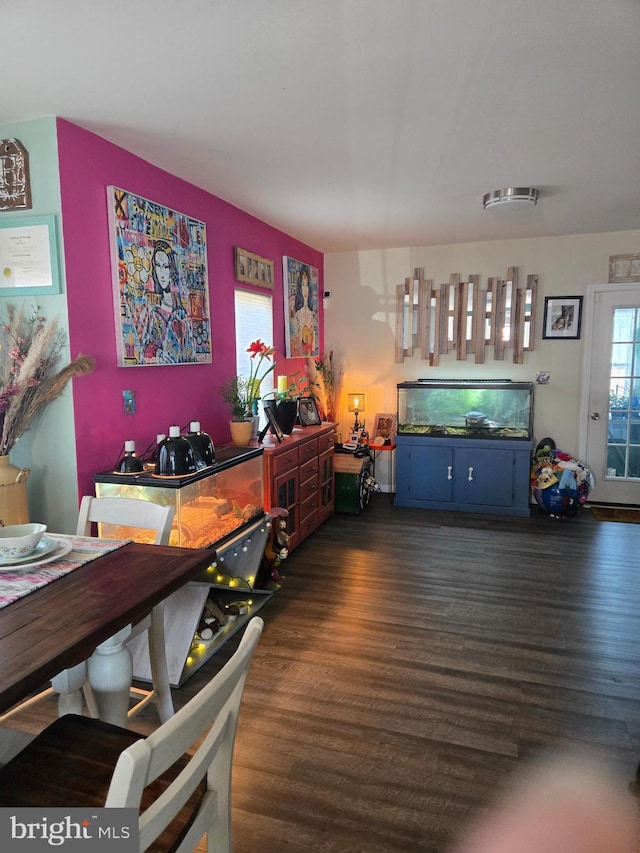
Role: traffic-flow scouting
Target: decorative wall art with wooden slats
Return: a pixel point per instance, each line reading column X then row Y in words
column 465, row 317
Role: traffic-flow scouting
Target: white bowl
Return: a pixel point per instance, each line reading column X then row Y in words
column 19, row 540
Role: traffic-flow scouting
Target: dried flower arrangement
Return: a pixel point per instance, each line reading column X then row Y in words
column 30, row 378
column 329, row 384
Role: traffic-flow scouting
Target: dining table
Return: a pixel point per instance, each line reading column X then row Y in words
column 85, row 611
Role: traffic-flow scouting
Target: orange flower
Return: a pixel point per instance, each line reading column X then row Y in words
column 261, row 349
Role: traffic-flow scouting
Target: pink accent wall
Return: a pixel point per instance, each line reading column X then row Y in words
column 164, row 395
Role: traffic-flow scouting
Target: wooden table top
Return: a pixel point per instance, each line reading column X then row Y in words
column 60, row 624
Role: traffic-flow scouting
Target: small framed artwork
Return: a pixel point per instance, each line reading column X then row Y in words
column 273, row 423
column 252, row 269
column 29, row 256
column 624, row 268
column 385, row 426
column 562, row 317
column 308, row 412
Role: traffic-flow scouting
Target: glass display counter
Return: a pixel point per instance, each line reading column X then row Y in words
column 210, row 505
column 220, row 506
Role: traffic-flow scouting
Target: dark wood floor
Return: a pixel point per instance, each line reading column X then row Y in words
column 414, row 659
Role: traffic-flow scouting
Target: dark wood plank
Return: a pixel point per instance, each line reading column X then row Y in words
column 413, row 660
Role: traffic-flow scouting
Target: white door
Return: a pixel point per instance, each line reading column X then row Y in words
column 612, row 415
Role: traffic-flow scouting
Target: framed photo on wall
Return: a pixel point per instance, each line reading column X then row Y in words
column 160, row 283
column 301, row 284
column 252, row 269
column 562, row 317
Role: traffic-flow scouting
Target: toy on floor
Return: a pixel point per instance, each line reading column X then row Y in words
column 276, row 550
column 560, row 483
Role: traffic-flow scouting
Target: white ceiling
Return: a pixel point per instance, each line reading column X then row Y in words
column 354, row 123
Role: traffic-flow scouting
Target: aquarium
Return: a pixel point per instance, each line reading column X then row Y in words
column 499, row 409
column 210, row 505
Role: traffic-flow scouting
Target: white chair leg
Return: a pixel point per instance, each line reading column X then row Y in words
column 158, row 660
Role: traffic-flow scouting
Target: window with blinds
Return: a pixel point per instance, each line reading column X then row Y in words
column 254, row 321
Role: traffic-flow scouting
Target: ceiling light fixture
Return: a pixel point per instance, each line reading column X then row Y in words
column 514, row 196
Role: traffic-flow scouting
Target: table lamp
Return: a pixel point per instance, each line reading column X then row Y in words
column 356, row 403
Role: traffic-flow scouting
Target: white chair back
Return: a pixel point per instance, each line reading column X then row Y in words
column 126, row 512
column 212, row 713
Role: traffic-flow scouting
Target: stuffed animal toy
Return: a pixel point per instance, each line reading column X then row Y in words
column 275, row 551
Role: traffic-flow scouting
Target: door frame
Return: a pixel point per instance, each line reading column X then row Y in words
column 589, row 316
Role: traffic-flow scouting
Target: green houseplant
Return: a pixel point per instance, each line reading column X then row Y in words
column 284, row 404
column 236, row 392
column 241, row 393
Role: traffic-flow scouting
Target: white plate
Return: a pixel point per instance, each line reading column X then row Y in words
column 45, row 546
column 58, row 548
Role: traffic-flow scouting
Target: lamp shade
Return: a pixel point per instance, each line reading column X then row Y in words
column 356, row 402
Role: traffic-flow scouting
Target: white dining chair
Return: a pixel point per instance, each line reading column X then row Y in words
column 178, row 778
column 124, row 516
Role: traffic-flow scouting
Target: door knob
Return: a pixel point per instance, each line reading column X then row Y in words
column 595, row 416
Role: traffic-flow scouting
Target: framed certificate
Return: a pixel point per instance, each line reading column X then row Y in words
column 29, row 256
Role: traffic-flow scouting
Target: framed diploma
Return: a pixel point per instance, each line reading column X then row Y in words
column 29, row 256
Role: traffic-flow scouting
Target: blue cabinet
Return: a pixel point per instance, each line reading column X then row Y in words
column 470, row 475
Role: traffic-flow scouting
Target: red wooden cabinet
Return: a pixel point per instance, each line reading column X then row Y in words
column 298, row 476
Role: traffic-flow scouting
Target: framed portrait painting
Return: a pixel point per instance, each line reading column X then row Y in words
column 562, row 317
column 160, row 283
column 301, row 287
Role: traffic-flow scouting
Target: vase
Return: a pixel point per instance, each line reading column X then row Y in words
column 14, row 508
column 286, row 413
column 241, row 432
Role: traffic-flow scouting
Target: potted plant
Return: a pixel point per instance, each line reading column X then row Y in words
column 284, row 404
column 31, row 349
column 237, row 393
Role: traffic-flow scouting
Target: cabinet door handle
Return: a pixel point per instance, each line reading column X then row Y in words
column 449, row 472
column 470, row 478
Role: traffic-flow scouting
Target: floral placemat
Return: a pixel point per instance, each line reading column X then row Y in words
column 23, row 580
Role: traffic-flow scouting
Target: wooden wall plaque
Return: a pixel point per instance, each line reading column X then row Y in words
column 15, row 184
